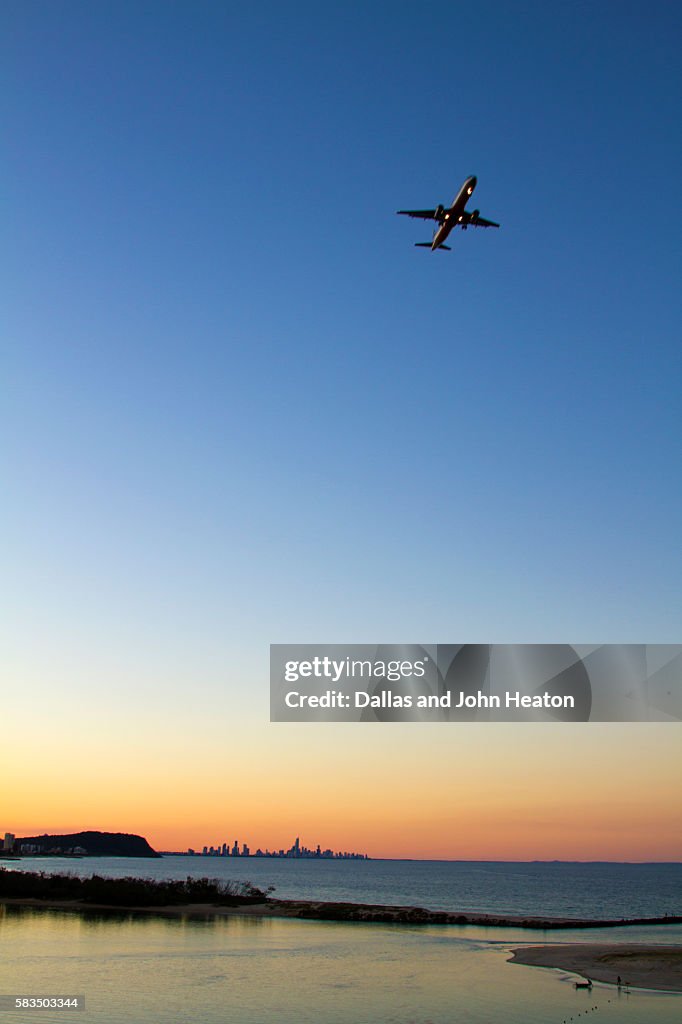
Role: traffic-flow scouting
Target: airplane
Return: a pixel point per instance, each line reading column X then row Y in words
column 455, row 217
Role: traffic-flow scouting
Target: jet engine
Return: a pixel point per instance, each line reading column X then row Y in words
column 440, row 210
column 474, row 215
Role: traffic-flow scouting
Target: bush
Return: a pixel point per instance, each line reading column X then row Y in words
column 127, row 892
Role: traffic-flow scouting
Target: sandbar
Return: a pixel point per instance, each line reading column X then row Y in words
column 321, row 910
column 640, row 966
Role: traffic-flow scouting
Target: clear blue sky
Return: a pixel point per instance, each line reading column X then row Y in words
column 242, row 407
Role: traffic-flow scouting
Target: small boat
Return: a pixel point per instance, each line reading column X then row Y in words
column 583, row 984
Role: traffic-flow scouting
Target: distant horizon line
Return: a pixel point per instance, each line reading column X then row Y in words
column 433, row 860
column 425, row 860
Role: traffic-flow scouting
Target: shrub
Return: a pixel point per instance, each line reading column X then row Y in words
column 128, row 891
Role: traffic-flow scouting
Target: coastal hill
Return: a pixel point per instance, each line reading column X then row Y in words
column 87, row 844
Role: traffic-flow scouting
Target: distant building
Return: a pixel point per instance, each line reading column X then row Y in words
column 296, row 850
column 8, row 842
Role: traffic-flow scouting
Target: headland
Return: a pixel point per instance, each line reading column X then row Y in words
column 84, row 844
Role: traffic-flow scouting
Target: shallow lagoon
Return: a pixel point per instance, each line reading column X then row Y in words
column 247, row 970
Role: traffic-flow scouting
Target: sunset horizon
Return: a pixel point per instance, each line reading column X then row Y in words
column 393, row 797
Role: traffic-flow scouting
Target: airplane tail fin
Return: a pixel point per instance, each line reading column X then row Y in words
column 427, row 245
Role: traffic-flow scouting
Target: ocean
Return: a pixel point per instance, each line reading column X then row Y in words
column 554, row 889
column 247, row 970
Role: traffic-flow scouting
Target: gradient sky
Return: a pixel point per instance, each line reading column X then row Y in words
column 242, row 409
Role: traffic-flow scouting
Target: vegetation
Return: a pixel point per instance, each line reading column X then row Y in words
column 127, row 892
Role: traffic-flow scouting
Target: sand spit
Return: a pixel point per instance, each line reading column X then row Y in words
column 640, row 966
column 318, row 910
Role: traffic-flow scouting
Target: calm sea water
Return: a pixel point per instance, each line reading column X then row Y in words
column 243, row 970
column 250, row 971
column 551, row 889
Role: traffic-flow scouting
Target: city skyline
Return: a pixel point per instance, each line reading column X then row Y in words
column 295, row 851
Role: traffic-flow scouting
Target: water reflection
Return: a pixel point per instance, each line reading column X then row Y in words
column 138, row 967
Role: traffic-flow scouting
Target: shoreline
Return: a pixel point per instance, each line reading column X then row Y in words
column 319, row 910
column 640, row 965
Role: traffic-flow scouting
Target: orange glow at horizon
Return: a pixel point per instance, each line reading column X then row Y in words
column 472, row 792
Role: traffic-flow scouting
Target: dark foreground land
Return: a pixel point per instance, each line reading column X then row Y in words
column 205, row 897
column 56, row 890
column 380, row 914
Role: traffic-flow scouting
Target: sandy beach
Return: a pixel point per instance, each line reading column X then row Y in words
column 641, row 966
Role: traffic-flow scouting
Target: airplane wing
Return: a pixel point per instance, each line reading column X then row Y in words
column 481, row 222
column 424, row 214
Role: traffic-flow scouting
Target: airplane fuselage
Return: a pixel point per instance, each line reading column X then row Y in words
column 454, row 215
